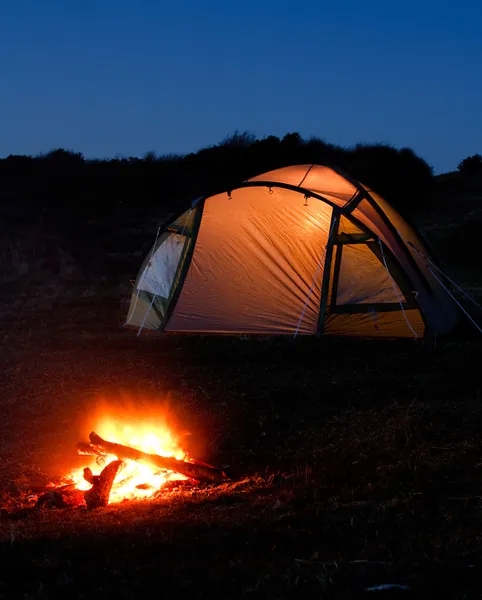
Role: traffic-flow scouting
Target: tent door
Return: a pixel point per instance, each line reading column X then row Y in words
column 160, row 272
column 157, row 282
column 365, row 297
column 361, row 283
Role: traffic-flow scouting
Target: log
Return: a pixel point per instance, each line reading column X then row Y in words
column 52, row 499
column 99, row 493
column 199, row 472
column 86, row 449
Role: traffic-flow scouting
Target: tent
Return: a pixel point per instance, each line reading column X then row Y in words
column 302, row 250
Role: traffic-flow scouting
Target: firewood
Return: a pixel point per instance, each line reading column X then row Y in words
column 63, row 497
column 199, row 472
column 51, row 499
column 89, row 476
column 99, row 493
column 84, row 448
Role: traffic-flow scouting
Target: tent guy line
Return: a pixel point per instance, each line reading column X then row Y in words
column 477, row 326
column 395, row 288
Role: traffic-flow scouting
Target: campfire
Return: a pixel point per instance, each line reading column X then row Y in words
column 131, row 461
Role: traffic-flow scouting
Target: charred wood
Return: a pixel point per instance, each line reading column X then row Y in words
column 196, row 470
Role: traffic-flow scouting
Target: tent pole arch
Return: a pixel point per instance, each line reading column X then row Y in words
column 286, row 186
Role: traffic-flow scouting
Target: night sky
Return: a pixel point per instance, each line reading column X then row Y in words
column 117, row 77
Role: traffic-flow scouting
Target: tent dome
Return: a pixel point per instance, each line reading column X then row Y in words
column 304, row 249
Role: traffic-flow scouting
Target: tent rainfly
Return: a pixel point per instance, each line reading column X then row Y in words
column 301, row 250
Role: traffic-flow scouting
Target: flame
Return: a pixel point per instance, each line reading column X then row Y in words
column 134, row 480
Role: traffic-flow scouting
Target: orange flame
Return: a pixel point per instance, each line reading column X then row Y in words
column 134, row 480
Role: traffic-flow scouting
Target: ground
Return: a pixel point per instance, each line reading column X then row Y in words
column 353, row 463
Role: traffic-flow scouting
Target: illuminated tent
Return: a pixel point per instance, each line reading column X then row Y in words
column 300, row 250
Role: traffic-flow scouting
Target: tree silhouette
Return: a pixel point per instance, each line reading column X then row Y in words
column 472, row 165
column 80, row 189
column 238, row 139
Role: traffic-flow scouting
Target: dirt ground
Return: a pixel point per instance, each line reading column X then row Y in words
column 353, row 463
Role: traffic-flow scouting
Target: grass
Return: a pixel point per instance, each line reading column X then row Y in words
column 354, row 463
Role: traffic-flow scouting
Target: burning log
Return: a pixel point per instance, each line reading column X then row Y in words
column 99, row 493
column 84, row 448
column 197, row 471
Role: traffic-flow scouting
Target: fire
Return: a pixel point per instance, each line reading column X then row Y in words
column 134, row 480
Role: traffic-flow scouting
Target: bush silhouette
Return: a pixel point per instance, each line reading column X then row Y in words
column 69, row 187
column 472, row 165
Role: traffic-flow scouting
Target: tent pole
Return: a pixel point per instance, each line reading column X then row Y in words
column 335, row 219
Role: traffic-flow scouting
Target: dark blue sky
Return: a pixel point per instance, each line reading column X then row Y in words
column 118, row 77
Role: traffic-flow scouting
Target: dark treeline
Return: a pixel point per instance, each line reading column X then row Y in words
column 471, row 167
column 64, row 184
column 105, row 213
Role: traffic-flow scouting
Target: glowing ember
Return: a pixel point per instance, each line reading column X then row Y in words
column 134, row 480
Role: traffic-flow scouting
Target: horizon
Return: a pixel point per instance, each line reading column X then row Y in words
column 123, row 80
column 180, row 156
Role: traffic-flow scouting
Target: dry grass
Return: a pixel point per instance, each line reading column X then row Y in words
column 353, row 463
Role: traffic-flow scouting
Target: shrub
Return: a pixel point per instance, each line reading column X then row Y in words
column 472, row 165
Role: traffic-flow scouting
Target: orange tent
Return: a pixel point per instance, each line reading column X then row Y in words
column 304, row 249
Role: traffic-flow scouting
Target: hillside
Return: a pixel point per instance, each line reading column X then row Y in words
column 451, row 221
